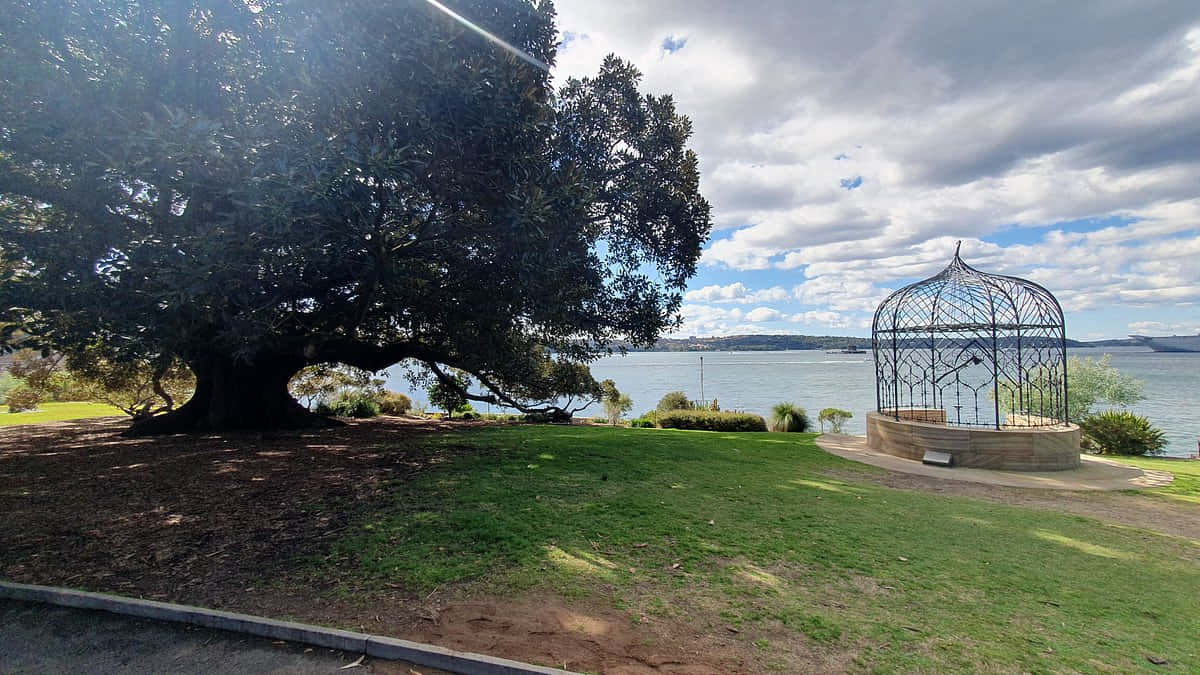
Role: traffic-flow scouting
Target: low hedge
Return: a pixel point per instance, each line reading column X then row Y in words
column 708, row 420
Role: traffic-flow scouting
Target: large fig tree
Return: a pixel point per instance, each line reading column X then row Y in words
column 252, row 186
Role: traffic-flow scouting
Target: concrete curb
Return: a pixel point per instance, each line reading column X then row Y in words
column 356, row 643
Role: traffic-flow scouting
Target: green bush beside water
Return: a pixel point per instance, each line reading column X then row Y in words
column 789, row 417
column 707, row 420
column 1121, row 433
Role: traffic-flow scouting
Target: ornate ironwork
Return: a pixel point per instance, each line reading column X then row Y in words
column 971, row 349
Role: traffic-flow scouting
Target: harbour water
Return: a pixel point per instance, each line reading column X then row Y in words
column 755, row 381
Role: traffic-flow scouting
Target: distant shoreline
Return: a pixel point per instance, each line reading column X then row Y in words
column 784, row 343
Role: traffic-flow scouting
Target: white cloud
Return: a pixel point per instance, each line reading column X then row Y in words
column 1160, row 328
column 827, row 319
column 736, row 292
column 761, row 314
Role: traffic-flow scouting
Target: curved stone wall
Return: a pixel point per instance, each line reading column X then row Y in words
column 1045, row 449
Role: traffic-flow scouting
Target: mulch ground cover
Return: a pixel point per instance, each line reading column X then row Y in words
column 184, row 518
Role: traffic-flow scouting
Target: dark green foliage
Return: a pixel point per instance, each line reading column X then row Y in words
column 674, row 400
column 254, row 187
column 1121, row 433
column 470, row 415
column 23, row 397
column 708, row 420
column 642, row 423
column 788, row 417
column 393, row 403
column 449, row 394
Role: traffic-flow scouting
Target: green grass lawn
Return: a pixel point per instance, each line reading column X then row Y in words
column 57, row 412
column 748, row 531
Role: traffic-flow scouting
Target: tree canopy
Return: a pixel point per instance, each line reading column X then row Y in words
column 253, row 187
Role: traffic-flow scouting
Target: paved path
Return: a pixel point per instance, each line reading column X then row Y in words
column 1094, row 474
column 37, row 638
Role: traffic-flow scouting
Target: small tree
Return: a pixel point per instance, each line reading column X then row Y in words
column 615, row 403
column 1091, row 381
column 836, row 417
column 788, row 417
column 674, row 400
column 449, row 395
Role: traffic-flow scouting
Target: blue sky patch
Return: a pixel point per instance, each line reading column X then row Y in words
column 1015, row 234
column 672, row 44
column 851, row 183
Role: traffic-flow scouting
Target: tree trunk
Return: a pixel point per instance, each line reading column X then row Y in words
column 234, row 395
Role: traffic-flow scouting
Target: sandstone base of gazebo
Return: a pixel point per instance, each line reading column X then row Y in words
column 1053, row 448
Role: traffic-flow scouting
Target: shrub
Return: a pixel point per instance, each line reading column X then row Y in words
column 470, row 415
column 393, row 403
column 788, row 417
column 836, row 417
column 22, row 398
column 642, row 423
column 538, row 418
column 674, row 400
column 1121, row 433
column 351, row 404
column 708, row 420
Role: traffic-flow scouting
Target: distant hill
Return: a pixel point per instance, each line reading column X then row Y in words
column 1117, row 342
column 758, row 343
column 770, row 343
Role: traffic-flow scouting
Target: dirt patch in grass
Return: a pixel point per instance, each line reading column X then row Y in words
column 1122, row 508
column 226, row 522
column 185, row 517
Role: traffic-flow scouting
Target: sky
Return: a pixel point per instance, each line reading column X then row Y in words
column 846, row 147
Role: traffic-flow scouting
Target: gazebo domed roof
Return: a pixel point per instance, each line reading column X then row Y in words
column 962, row 298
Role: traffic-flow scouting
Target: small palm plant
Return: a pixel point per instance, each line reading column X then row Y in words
column 788, row 417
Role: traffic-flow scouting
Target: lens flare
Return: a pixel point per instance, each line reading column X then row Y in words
column 519, row 53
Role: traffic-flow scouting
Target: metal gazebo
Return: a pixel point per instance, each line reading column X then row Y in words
column 973, row 349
